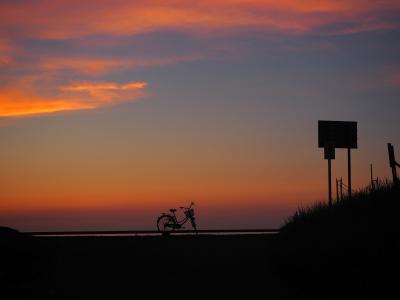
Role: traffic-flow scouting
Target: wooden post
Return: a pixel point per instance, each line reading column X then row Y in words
column 392, row 162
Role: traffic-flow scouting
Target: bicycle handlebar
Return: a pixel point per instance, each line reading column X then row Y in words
column 183, row 207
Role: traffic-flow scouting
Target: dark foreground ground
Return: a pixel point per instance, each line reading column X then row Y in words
column 125, row 267
column 348, row 251
column 249, row 266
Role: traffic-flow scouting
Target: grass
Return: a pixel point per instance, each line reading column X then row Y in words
column 383, row 197
column 370, row 216
column 348, row 250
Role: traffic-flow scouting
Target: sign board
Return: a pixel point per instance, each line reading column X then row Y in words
column 340, row 134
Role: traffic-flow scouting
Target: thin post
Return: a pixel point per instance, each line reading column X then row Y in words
column 372, row 178
column 392, row 162
column 341, row 188
column 349, row 171
column 330, row 182
column 337, row 191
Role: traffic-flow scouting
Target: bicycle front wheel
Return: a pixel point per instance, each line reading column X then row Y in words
column 165, row 223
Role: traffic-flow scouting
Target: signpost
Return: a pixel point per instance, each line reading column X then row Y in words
column 329, row 154
column 337, row 134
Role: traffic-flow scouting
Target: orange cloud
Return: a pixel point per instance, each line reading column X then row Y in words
column 100, row 66
column 72, row 19
column 93, row 88
column 28, row 101
column 103, row 93
column 14, row 104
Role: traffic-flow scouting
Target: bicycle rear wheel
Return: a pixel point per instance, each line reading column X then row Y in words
column 165, row 223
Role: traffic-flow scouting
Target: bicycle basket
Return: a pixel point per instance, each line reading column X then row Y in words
column 189, row 213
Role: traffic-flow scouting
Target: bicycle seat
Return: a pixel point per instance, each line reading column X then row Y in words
column 172, row 210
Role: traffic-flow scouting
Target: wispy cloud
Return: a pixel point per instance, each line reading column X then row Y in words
column 103, row 93
column 393, row 78
column 28, row 100
column 93, row 88
column 93, row 66
column 5, row 53
column 72, row 19
column 28, row 23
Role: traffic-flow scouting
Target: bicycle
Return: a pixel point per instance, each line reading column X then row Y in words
column 167, row 223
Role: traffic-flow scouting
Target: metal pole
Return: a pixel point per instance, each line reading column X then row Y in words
column 349, row 171
column 330, row 182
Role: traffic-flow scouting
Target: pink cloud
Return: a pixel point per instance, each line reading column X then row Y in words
column 5, row 53
column 73, row 19
column 393, row 78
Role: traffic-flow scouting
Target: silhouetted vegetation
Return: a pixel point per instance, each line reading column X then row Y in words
column 347, row 251
column 367, row 209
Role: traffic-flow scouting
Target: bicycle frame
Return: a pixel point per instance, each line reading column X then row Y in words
column 179, row 222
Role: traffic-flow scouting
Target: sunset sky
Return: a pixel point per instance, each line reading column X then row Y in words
column 111, row 112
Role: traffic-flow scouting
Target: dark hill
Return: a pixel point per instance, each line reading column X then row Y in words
column 347, row 251
column 6, row 232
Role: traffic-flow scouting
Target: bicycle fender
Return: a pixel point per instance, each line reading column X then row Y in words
column 163, row 215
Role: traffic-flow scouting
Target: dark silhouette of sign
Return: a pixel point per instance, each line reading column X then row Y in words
column 337, row 134
column 341, row 134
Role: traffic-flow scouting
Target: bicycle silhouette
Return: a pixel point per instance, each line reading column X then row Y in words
column 169, row 222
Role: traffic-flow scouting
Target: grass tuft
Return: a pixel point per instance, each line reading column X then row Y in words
column 344, row 251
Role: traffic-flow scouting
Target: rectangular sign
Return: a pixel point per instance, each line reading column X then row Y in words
column 340, row 134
